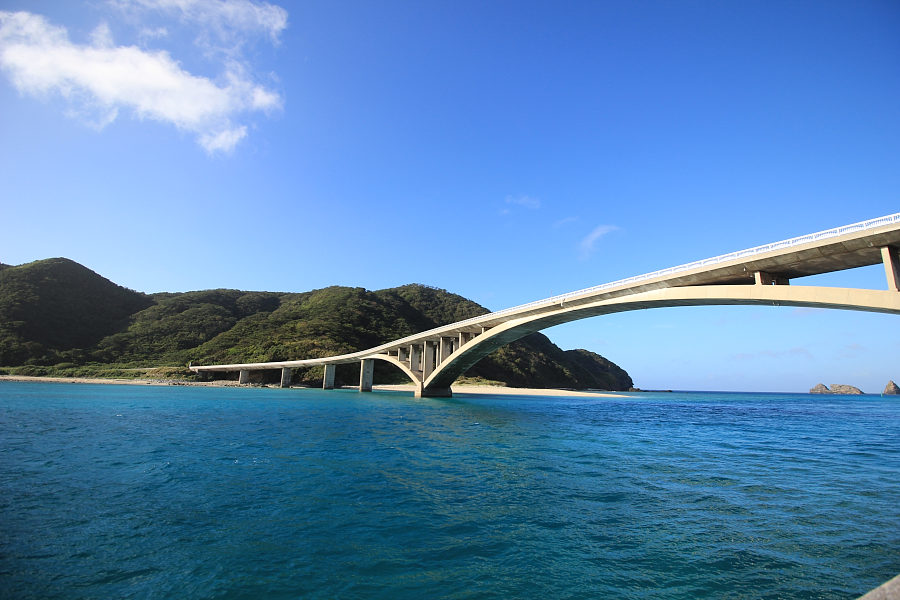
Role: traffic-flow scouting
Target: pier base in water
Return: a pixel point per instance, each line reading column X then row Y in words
column 445, row 392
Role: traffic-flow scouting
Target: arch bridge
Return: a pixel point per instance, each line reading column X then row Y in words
column 434, row 359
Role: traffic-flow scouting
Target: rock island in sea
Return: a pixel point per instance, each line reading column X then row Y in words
column 836, row 388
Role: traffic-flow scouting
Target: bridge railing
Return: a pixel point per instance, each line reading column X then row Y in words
column 812, row 237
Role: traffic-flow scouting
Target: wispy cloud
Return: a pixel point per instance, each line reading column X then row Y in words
column 564, row 221
column 528, row 202
column 588, row 243
column 223, row 25
column 796, row 351
column 852, row 350
column 99, row 79
column 148, row 34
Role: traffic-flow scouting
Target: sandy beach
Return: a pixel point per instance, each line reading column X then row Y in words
column 457, row 389
column 118, row 381
column 463, row 389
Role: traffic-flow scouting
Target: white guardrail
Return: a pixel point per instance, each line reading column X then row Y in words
column 811, row 237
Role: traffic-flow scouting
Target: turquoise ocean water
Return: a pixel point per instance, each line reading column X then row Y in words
column 175, row 492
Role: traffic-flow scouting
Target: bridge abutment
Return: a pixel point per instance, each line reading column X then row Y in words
column 243, row 376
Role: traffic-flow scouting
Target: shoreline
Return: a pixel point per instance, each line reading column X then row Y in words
column 457, row 389
column 462, row 388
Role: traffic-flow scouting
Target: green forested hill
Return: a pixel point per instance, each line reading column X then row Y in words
column 56, row 312
column 51, row 308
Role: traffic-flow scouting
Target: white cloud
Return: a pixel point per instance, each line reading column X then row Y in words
column 224, row 140
column 101, row 79
column 587, row 244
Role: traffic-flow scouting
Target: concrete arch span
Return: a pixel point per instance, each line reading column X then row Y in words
column 400, row 365
column 438, row 384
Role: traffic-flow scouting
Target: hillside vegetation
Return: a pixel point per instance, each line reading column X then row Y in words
column 57, row 315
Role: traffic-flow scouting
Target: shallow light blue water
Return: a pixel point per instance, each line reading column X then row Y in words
column 165, row 492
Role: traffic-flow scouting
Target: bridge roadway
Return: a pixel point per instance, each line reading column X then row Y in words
column 434, row 359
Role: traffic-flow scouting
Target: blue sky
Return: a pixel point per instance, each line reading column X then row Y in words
column 505, row 151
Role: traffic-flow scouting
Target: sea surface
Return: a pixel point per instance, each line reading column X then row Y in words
column 111, row 491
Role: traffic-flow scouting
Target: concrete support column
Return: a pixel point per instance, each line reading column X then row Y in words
column 402, row 354
column 464, row 337
column 244, row 376
column 415, row 358
column 427, row 360
column 328, row 380
column 286, row 377
column 366, row 374
column 446, row 349
column 764, row 278
column 889, row 256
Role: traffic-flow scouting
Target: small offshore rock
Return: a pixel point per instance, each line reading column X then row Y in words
column 891, row 389
column 820, row 389
column 839, row 388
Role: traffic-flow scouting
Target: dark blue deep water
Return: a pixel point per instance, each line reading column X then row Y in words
column 173, row 492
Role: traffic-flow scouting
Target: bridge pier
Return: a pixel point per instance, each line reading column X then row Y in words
column 366, row 374
column 427, row 359
column 244, row 376
column 889, row 256
column 446, row 349
column 443, row 392
column 328, row 379
column 415, row 358
column 286, row 377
